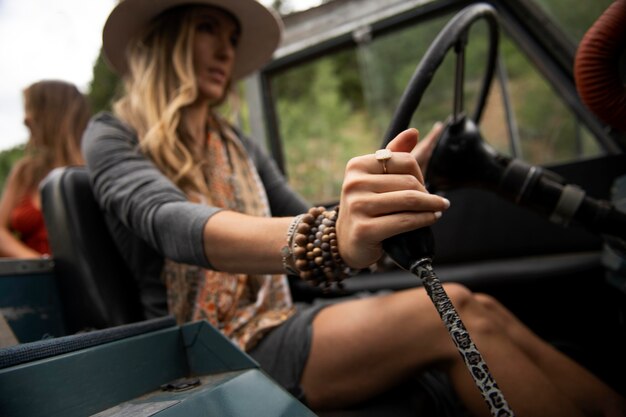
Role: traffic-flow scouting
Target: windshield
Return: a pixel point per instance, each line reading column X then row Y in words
column 340, row 104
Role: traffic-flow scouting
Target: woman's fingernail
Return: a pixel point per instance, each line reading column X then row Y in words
column 446, row 202
column 438, row 214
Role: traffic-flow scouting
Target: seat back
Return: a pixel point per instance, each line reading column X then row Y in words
column 96, row 287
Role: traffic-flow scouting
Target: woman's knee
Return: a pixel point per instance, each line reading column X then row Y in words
column 474, row 309
column 487, row 301
column 459, row 295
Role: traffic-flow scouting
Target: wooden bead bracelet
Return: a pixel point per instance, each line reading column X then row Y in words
column 315, row 250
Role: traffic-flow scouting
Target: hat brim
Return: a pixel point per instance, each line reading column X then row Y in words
column 261, row 30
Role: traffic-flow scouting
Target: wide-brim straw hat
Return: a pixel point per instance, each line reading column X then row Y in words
column 261, row 30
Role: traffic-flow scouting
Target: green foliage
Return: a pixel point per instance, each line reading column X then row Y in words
column 316, row 148
column 574, row 18
column 103, row 87
column 8, row 157
column 340, row 105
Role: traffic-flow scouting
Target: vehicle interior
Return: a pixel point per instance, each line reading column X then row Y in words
column 531, row 160
column 516, row 89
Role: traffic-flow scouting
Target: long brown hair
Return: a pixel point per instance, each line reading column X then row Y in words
column 56, row 115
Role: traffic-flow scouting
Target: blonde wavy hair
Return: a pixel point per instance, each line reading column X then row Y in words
column 56, row 113
column 159, row 86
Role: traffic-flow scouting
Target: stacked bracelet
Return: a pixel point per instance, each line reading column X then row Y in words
column 315, row 249
column 286, row 251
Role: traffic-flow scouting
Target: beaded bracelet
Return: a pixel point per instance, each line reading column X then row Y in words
column 286, row 251
column 315, row 249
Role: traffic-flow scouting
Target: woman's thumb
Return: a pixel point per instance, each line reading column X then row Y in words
column 405, row 141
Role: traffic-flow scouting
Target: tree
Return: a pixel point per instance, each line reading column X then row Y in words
column 104, row 86
column 7, row 159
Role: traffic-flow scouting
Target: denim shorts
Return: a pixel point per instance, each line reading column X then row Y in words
column 284, row 351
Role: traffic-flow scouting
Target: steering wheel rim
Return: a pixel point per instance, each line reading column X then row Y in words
column 453, row 35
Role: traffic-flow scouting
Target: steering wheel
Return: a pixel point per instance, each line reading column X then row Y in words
column 453, row 35
column 461, row 157
column 461, row 132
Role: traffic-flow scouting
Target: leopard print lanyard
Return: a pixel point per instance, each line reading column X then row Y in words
column 469, row 352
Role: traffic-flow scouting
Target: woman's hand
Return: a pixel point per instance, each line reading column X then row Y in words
column 424, row 149
column 375, row 206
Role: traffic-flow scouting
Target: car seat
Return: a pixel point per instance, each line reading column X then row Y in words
column 96, row 287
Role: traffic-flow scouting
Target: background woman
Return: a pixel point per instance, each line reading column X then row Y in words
column 56, row 114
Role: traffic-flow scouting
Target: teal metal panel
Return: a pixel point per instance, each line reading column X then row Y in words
column 124, row 378
column 90, row 380
column 208, row 351
column 250, row 393
column 244, row 393
column 159, row 399
column 29, row 300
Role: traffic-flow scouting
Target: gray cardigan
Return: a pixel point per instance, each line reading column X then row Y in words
column 149, row 217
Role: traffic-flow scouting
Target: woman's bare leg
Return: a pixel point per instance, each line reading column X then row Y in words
column 364, row 347
column 584, row 388
column 361, row 348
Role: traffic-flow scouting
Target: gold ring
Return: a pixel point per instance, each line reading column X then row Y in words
column 383, row 155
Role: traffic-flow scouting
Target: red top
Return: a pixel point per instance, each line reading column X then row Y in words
column 27, row 220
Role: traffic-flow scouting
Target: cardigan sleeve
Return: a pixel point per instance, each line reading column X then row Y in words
column 130, row 187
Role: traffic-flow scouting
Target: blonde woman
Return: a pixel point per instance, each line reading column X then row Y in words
column 56, row 115
column 197, row 206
